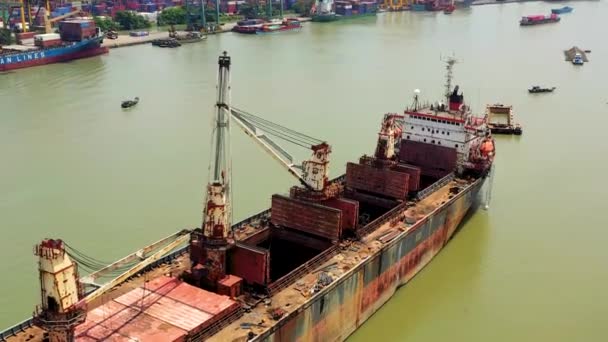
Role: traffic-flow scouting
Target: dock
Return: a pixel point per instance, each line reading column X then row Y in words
column 501, row 120
column 570, row 53
column 126, row 40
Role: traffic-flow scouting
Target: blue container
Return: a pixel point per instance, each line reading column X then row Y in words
column 152, row 7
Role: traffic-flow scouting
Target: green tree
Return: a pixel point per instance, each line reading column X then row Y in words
column 250, row 11
column 172, row 16
column 131, row 21
column 5, row 36
column 106, row 24
column 303, row 7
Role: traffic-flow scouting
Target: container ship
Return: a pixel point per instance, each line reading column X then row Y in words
column 313, row 267
column 76, row 39
column 328, row 10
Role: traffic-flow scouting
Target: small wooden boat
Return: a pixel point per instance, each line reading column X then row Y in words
column 129, row 103
column 537, row 89
column 449, row 9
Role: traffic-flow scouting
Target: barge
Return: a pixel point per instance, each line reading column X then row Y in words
column 501, row 121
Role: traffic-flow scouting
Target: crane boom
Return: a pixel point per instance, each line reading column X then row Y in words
column 48, row 22
column 138, row 255
column 313, row 173
column 181, row 239
column 274, row 149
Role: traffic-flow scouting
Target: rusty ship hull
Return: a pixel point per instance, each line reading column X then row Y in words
column 389, row 257
column 339, row 309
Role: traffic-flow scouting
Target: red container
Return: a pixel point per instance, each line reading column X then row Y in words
column 306, row 216
column 379, row 181
column 77, row 30
column 230, row 286
column 21, row 37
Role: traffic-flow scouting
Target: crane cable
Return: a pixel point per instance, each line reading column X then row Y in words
column 279, row 131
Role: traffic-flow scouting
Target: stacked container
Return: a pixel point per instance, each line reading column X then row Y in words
column 345, row 10
column 77, row 30
column 47, row 40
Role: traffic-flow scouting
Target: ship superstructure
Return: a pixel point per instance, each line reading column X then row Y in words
column 323, row 258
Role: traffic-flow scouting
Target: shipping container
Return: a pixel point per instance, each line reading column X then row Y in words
column 306, row 216
column 48, row 43
column 47, row 36
column 230, row 286
column 378, row 181
column 77, row 30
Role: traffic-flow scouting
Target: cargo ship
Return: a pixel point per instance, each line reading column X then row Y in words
column 314, row 267
column 248, row 26
column 328, row 10
column 285, row 25
column 539, row 19
column 76, row 39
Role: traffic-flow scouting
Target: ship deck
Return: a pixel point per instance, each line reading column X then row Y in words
column 348, row 255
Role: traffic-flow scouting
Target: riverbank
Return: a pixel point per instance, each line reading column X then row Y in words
column 126, row 40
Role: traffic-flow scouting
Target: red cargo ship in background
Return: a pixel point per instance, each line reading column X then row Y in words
column 314, row 267
column 539, row 19
column 285, row 25
column 76, row 39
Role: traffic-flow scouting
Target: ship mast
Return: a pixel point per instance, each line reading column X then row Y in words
column 450, row 61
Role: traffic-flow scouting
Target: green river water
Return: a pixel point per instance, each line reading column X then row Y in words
column 108, row 181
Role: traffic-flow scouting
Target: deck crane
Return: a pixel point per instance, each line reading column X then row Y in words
column 48, row 22
column 63, row 299
column 312, row 173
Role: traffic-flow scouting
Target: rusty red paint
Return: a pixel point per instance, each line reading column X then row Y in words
column 380, row 181
column 305, row 216
column 349, row 210
column 206, row 301
column 414, row 173
column 230, row 286
column 434, row 160
column 250, row 263
column 115, row 322
column 334, row 314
